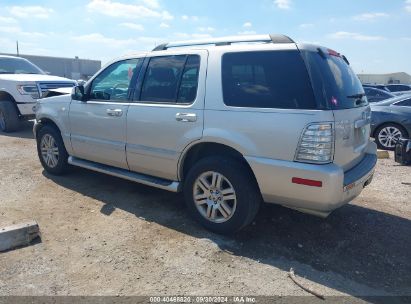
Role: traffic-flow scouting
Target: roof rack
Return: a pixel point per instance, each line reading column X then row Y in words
column 272, row 38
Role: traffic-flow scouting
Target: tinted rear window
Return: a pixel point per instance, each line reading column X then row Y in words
column 398, row 88
column 268, row 79
column 335, row 80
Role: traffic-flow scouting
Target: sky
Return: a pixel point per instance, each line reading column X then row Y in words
column 375, row 35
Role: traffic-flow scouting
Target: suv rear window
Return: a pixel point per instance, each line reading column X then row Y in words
column 333, row 77
column 266, row 79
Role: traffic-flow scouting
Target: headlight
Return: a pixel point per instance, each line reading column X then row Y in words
column 29, row 89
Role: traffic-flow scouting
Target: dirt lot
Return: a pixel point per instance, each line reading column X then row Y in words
column 105, row 236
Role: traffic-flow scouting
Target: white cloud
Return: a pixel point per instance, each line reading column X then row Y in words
column 133, row 26
column 152, row 3
column 16, row 30
column 101, row 39
column 354, row 36
column 30, row 11
column 186, row 36
column 283, row 4
column 408, row 5
column 118, row 9
column 247, row 33
column 206, row 29
column 10, row 29
column 306, row 25
column 370, row 16
column 164, row 25
column 7, row 20
column 192, row 18
column 247, row 24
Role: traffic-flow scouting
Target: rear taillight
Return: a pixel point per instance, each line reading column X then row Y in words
column 316, row 144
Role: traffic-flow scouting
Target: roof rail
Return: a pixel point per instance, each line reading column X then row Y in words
column 272, row 38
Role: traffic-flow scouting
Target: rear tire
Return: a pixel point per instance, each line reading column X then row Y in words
column 221, row 194
column 387, row 134
column 9, row 118
column 51, row 150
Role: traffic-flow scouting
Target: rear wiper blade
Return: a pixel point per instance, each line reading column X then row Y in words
column 357, row 96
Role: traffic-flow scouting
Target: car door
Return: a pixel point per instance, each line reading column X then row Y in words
column 98, row 124
column 167, row 114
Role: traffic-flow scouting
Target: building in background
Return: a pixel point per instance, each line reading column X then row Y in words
column 74, row 68
column 400, row 77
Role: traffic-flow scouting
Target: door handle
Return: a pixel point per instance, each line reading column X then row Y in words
column 186, row 117
column 114, row 112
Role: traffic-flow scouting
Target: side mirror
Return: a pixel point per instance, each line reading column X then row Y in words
column 78, row 93
column 81, row 82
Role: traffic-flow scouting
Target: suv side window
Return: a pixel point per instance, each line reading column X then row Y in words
column 171, row 79
column 266, row 79
column 189, row 81
column 114, row 82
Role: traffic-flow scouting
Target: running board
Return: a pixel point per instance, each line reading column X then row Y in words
column 125, row 174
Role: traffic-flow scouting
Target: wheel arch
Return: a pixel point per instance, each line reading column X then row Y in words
column 45, row 121
column 200, row 150
column 5, row 96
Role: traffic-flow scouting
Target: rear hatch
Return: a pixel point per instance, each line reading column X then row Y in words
column 340, row 90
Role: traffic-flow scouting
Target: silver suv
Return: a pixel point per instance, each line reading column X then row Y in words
column 232, row 122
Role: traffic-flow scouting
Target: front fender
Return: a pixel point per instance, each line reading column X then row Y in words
column 56, row 110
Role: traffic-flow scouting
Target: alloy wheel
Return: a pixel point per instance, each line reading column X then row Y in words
column 214, row 197
column 388, row 136
column 49, row 150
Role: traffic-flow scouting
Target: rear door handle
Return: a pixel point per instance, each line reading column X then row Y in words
column 114, row 112
column 186, row 117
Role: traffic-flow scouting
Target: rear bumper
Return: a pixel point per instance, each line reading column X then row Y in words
column 274, row 178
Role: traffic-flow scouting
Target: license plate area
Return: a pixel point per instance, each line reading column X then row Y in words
column 365, row 181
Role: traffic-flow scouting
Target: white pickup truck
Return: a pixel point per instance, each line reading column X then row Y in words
column 21, row 84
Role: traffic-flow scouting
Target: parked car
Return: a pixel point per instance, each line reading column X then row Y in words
column 399, row 89
column 231, row 122
column 390, row 120
column 21, row 84
column 375, row 95
column 376, row 86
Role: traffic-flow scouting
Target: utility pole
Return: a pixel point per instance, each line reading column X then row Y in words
column 17, row 45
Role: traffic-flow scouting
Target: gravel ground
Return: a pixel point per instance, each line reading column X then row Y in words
column 105, row 236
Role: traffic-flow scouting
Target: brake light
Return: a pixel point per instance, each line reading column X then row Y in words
column 333, row 53
column 316, row 144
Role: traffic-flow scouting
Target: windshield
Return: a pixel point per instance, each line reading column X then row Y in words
column 18, row 66
column 334, row 78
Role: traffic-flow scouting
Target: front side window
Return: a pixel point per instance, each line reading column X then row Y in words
column 114, row 82
column 267, row 79
column 171, row 79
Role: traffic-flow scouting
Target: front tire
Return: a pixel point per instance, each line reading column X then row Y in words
column 387, row 135
column 9, row 118
column 221, row 194
column 51, row 151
